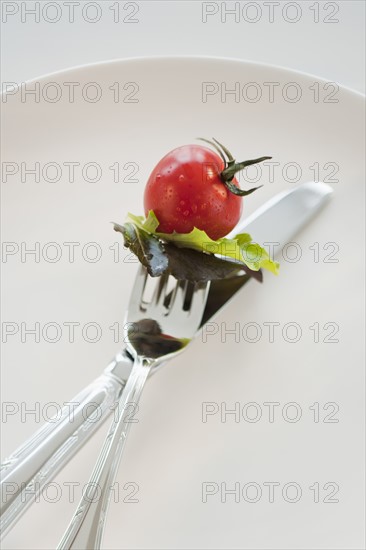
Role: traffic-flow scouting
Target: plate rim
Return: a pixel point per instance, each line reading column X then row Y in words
column 184, row 58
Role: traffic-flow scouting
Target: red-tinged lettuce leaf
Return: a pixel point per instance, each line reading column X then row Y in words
column 240, row 248
column 149, row 250
column 191, row 265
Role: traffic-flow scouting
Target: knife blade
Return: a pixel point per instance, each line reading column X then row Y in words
column 272, row 225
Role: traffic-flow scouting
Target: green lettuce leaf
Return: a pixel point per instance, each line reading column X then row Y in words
column 159, row 257
column 240, row 248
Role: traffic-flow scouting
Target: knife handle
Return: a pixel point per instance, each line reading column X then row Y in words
column 35, row 463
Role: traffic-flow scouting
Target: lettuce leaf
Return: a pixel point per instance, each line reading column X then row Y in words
column 240, row 248
column 149, row 250
column 159, row 257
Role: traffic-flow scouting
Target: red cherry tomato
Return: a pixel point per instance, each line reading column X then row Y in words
column 185, row 190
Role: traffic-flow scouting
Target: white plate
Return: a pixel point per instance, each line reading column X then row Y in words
column 171, row 452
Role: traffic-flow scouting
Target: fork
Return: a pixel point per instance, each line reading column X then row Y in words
column 155, row 330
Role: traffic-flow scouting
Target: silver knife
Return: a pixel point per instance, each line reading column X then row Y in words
column 25, row 473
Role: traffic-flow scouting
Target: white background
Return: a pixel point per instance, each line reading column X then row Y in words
column 332, row 50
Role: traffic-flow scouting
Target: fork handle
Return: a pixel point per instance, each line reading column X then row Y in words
column 86, row 527
column 35, row 463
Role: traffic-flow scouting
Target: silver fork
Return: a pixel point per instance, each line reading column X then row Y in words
column 155, row 330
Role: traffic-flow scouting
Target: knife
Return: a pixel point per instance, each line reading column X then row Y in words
column 35, row 463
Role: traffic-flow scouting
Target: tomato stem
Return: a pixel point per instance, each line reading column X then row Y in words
column 215, row 147
column 231, row 167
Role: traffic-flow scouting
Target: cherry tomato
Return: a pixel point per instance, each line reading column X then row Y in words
column 187, row 189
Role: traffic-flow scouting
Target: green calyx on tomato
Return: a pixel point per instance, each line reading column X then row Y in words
column 232, row 167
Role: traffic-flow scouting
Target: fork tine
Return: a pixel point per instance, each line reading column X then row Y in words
column 179, row 295
column 160, row 289
column 199, row 298
column 138, row 289
column 170, row 297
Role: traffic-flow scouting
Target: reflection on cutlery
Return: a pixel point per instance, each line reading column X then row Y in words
column 38, row 460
